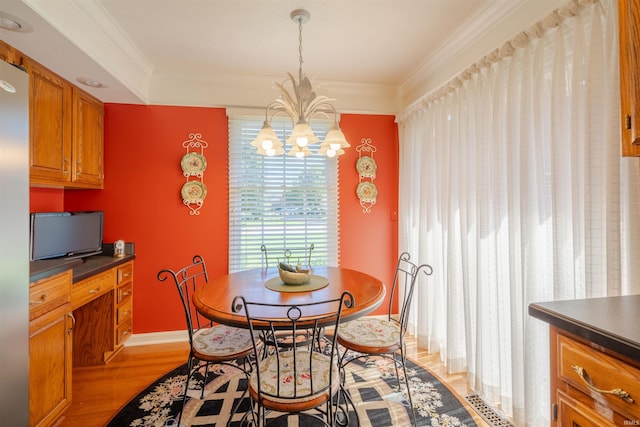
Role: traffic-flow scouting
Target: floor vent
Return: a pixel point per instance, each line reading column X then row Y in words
column 487, row 412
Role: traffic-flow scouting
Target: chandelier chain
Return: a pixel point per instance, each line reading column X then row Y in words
column 300, row 48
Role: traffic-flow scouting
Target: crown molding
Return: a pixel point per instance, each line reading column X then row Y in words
column 194, row 89
column 421, row 80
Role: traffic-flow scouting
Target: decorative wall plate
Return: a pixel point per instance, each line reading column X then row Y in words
column 194, row 192
column 367, row 192
column 366, row 167
column 193, row 164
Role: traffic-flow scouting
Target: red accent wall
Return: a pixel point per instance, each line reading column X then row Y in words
column 46, row 200
column 142, row 202
column 369, row 241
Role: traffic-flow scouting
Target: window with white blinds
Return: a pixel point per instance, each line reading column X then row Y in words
column 280, row 201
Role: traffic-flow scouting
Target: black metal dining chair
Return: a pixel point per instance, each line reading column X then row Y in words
column 291, row 255
column 209, row 344
column 385, row 336
column 295, row 379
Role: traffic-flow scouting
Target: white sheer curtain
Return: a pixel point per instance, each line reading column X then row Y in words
column 513, row 188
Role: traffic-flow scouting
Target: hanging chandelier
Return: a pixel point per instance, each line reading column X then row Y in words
column 300, row 102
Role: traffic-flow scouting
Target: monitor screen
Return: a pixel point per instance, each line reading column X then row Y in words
column 66, row 234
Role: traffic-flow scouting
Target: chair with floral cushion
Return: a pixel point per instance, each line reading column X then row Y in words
column 385, row 336
column 295, row 379
column 209, row 344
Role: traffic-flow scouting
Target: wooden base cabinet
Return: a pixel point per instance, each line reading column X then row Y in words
column 74, row 325
column 102, row 308
column 50, row 346
column 590, row 385
column 124, row 302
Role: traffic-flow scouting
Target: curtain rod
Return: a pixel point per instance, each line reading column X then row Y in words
column 521, row 40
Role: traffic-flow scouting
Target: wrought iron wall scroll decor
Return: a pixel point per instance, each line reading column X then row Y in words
column 193, row 165
column 366, row 166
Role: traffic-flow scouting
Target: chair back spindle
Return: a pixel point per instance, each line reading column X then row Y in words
column 187, row 280
column 291, row 255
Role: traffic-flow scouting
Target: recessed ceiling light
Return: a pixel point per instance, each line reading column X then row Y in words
column 91, row 82
column 13, row 23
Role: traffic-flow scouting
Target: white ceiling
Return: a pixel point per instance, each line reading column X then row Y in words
column 373, row 56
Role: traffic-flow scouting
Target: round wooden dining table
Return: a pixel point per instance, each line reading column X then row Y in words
column 214, row 299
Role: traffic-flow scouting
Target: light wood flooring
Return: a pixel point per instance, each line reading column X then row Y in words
column 99, row 392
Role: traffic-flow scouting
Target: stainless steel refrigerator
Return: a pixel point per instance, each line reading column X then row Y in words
column 14, row 246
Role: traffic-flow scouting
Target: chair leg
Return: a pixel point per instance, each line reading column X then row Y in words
column 242, row 397
column 406, row 381
column 343, row 408
column 186, row 386
column 204, row 383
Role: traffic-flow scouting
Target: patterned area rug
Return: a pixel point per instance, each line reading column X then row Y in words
column 372, row 385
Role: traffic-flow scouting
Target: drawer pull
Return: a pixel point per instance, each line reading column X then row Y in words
column 94, row 291
column 122, row 275
column 73, row 323
column 616, row 391
column 42, row 299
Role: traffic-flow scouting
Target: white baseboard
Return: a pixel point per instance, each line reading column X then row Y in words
column 157, row 338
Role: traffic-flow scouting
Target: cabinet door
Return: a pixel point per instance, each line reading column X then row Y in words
column 88, row 126
column 50, row 127
column 49, row 366
column 629, row 29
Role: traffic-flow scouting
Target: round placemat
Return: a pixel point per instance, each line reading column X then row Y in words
column 315, row 283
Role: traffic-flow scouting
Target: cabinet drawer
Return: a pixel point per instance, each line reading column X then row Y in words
column 123, row 331
column 47, row 294
column 596, row 373
column 124, row 311
column 124, row 273
column 573, row 413
column 124, row 292
column 91, row 288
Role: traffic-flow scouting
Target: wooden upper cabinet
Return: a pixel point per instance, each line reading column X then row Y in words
column 9, row 54
column 629, row 29
column 88, row 140
column 50, row 126
column 66, row 124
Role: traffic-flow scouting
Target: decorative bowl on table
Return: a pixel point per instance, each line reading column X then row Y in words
column 293, row 276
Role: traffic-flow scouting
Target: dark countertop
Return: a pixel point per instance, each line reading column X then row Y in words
column 82, row 268
column 612, row 322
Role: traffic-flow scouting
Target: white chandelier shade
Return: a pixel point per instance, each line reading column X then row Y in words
column 267, row 142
